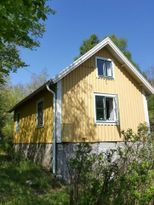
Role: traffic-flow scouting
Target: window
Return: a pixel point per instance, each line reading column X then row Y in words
column 104, row 67
column 106, row 108
column 17, row 119
column 39, row 115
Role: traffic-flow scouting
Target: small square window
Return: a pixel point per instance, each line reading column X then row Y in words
column 104, row 67
column 40, row 116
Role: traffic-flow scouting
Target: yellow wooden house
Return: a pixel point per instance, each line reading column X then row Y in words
column 92, row 100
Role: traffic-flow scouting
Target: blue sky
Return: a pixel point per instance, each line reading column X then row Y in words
column 76, row 20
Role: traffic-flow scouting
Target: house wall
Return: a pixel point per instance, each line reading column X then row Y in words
column 28, row 132
column 78, row 89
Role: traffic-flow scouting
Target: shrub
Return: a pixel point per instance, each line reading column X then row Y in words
column 121, row 176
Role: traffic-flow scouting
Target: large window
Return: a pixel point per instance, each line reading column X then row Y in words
column 39, row 114
column 104, row 67
column 106, row 108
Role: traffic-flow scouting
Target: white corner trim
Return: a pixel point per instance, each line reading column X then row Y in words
column 146, row 113
column 59, row 112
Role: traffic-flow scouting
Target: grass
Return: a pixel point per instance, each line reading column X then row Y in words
column 25, row 183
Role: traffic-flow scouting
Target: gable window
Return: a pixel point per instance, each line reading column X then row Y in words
column 39, row 114
column 106, row 108
column 104, row 67
column 17, row 119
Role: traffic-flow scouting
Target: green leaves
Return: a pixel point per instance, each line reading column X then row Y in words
column 88, row 44
column 21, row 25
column 123, row 176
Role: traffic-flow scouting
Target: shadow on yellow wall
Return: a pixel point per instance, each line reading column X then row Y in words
column 28, row 131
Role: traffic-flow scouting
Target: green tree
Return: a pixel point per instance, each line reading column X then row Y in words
column 150, row 76
column 122, row 44
column 9, row 95
column 21, row 25
column 88, row 44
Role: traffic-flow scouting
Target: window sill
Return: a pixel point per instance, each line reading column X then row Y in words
column 107, row 123
column 105, row 77
column 37, row 127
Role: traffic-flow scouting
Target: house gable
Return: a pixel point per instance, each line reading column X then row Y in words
column 107, row 42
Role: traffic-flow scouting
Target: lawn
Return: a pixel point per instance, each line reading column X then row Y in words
column 25, row 183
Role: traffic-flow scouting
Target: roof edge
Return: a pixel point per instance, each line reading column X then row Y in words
column 30, row 95
column 91, row 52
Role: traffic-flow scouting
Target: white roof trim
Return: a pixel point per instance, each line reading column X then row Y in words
column 106, row 41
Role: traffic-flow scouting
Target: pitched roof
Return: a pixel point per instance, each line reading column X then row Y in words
column 126, row 64
column 119, row 55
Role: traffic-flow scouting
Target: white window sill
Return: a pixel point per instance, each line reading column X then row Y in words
column 105, row 77
column 107, row 123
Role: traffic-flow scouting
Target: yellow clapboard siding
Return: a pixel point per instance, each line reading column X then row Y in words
column 27, row 125
column 78, row 89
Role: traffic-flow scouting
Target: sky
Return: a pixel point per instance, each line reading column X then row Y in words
column 75, row 20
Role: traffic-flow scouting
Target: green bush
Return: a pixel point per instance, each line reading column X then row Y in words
column 121, row 176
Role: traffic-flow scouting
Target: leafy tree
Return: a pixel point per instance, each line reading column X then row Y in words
column 88, row 44
column 9, row 95
column 122, row 44
column 150, row 76
column 21, row 25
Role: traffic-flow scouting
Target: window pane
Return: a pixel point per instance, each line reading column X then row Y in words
column 100, row 108
column 104, row 68
column 109, row 68
column 109, row 109
column 40, row 114
column 100, row 66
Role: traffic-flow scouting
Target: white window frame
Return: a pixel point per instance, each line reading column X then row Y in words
column 116, row 114
column 40, row 100
column 112, row 63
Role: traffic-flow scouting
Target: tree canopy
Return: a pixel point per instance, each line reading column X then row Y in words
column 21, row 25
column 122, row 44
column 88, row 44
column 150, row 77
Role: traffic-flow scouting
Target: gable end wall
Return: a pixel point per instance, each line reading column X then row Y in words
column 78, row 89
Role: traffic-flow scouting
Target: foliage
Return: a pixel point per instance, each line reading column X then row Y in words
column 122, row 176
column 150, row 76
column 25, row 183
column 88, row 44
column 122, row 44
column 151, row 108
column 8, row 97
column 21, row 25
